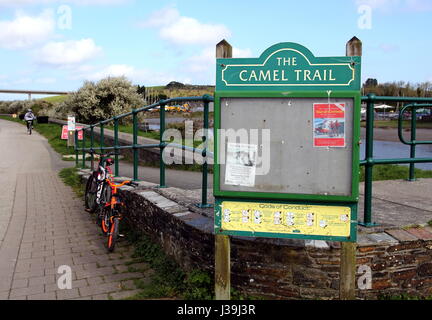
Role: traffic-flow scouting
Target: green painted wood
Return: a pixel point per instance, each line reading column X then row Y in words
column 288, row 66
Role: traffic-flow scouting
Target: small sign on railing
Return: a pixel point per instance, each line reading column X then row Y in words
column 64, row 134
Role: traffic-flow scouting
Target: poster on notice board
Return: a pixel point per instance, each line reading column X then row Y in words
column 329, row 125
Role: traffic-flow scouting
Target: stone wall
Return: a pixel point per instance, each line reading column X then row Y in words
column 400, row 260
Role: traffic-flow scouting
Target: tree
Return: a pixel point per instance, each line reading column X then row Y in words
column 105, row 99
column 141, row 90
column 371, row 82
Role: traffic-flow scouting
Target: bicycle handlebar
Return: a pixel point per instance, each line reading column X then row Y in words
column 126, row 182
column 105, row 154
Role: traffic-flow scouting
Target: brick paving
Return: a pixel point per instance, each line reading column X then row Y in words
column 49, row 229
column 43, row 226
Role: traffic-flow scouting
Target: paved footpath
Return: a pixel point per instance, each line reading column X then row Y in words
column 43, row 226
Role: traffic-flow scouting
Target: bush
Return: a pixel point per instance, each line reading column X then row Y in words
column 16, row 106
column 94, row 102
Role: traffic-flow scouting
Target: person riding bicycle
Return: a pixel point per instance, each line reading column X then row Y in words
column 29, row 117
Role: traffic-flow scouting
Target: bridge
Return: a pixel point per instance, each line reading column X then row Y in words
column 30, row 92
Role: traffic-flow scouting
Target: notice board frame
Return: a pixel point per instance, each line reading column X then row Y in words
column 353, row 197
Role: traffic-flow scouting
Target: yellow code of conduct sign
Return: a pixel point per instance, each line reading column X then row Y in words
column 313, row 220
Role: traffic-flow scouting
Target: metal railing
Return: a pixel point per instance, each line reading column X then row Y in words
column 369, row 162
column 206, row 99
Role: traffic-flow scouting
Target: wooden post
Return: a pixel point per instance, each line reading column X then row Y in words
column 347, row 271
column 222, row 242
column 71, row 133
column 347, row 284
column 71, row 139
column 222, row 267
column 223, row 50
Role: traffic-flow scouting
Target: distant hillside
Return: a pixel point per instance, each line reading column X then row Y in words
column 176, row 89
column 54, row 99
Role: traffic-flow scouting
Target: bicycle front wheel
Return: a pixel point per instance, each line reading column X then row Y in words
column 104, row 220
column 113, row 234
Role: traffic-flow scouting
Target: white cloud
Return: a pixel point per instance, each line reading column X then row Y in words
column 26, row 31
column 399, row 5
column 205, row 61
column 378, row 4
column 389, row 47
column 136, row 75
column 242, row 53
column 179, row 29
column 68, row 52
column 20, row 3
column 419, row 5
column 20, row 81
column 45, row 80
column 115, row 70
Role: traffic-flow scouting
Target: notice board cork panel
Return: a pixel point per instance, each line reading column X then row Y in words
column 307, row 155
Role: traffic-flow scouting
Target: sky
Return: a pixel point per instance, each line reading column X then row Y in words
column 58, row 44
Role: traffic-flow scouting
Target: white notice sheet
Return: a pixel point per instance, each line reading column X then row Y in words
column 241, row 164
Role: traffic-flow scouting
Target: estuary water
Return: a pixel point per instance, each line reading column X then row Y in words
column 387, row 149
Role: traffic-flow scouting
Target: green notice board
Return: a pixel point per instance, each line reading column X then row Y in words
column 287, row 128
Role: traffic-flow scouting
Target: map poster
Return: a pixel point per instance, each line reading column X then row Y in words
column 329, row 125
column 241, row 164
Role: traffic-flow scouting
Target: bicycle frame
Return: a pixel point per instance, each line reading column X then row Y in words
column 104, row 173
column 114, row 187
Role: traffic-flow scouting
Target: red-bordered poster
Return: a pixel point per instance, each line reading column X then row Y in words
column 329, row 124
column 64, row 134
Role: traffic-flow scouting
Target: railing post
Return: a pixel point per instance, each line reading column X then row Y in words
column 92, row 146
column 161, row 144
column 116, row 164
column 413, row 142
column 204, row 203
column 135, row 143
column 76, row 148
column 101, row 137
column 83, row 149
column 367, row 218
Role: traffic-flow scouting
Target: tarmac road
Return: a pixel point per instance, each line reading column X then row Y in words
column 392, row 134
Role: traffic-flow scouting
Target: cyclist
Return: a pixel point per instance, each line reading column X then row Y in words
column 29, row 117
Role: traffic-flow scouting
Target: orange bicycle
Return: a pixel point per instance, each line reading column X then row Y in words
column 111, row 215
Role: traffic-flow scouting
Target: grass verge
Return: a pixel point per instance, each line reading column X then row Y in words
column 405, row 297
column 71, row 178
column 393, row 172
column 169, row 280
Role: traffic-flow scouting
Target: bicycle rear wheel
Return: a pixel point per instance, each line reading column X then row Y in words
column 90, row 194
